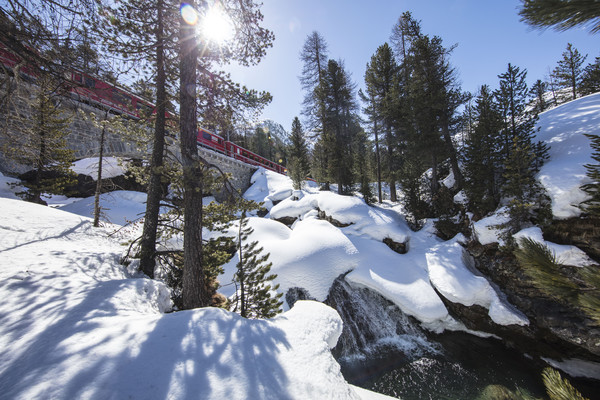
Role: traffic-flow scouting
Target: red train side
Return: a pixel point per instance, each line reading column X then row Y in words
column 215, row 142
column 86, row 88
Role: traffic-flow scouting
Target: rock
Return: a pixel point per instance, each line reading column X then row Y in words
column 297, row 293
column 288, row 221
column 556, row 330
column 331, row 220
column 398, row 247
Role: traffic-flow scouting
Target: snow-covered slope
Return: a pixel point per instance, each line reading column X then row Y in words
column 563, row 129
column 74, row 323
column 313, row 253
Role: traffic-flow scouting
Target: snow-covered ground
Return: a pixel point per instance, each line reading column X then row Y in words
column 77, row 324
column 74, row 323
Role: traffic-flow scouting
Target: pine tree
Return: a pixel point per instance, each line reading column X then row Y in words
column 362, row 150
column 522, row 157
column 381, row 77
column 254, row 295
column 568, row 71
column 590, row 79
column 41, row 141
column 299, row 167
column 482, row 159
column 539, row 90
column 561, row 14
column 592, row 205
column 314, row 61
column 336, row 93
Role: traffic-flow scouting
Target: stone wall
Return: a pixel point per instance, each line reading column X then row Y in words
column 84, row 138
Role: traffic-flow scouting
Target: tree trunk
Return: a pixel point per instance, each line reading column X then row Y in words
column 148, row 242
column 391, row 180
column 99, row 175
column 453, row 159
column 194, row 290
column 378, row 160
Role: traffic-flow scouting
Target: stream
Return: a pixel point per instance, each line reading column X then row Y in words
column 384, row 350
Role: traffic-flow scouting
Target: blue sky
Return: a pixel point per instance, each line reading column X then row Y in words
column 488, row 33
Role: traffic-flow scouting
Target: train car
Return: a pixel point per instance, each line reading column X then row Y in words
column 95, row 91
column 89, row 89
column 10, row 61
column 211, row 140
column 248, row 157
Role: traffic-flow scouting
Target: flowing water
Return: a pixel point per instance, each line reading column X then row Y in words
column 384, row 350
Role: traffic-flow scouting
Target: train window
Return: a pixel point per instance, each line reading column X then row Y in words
column 146, row 109
column 120, row 97
column 206, row 136
column 90, row 82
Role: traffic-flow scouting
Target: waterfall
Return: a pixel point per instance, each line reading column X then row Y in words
column 372, row 325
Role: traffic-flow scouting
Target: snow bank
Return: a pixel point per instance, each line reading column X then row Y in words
column 563, row 129
column 76, row 324
column 269, row 187
column 486, row 229
column 6, row 190
column 373, row 222
column 310, row 256
column 450, row 275
column 89, row 166
column 118, row 207
column 569, row 255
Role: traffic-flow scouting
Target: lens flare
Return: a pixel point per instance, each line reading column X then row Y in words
column 189, row 15
column 216, row 25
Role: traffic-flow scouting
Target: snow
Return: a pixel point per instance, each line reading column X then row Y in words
column 311, row 256
column 566, row 254
column 118, row 207
column 487, row 229
column 6, row 189
column 77, row 324
column 563, row 129
column 89, row 166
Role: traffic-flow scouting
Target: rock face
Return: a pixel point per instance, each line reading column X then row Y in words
column 372, row 323
column 556, row 329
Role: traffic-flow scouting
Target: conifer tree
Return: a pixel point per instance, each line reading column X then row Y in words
column 299, row 167
column 592, row 205
column 381, row 79
column 254, row 295
column 569, row 69
column 523, row 158
column 336, row 93
column 590, row 79
column 314, row 56
column 538, row 90
column 482, row 159
column 41, row 141
column 561, row 14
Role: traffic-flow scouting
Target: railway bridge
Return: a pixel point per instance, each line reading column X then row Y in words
column 84, row 138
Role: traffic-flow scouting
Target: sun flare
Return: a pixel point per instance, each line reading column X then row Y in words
column 216, row 25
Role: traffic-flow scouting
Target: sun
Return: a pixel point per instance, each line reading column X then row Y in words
column 215, row 25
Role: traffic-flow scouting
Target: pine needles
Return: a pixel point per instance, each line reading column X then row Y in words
column 544, row 269
column 559, row 388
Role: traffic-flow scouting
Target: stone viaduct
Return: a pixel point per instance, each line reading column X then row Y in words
column 84, row 138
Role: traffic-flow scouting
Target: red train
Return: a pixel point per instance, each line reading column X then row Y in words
column 213, row 141
column 88, row 89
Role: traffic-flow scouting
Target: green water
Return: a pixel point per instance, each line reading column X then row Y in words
column 467, row 368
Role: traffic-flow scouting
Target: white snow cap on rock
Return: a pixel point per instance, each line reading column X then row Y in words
column 566, row 254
